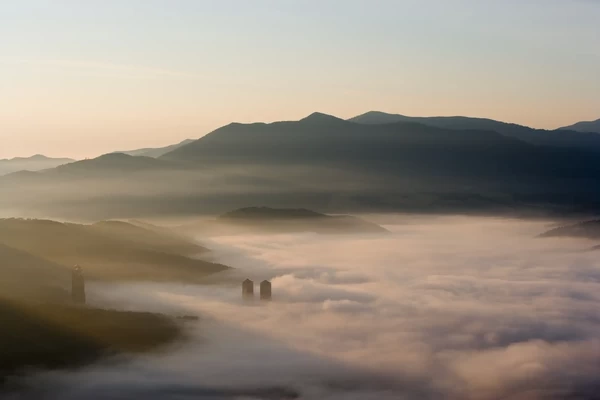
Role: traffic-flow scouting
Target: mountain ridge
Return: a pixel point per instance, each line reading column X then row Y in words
column 558, row 138
column 154, row 152
column 584, row 126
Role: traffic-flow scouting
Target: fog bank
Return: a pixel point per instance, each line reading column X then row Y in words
column 448, row 307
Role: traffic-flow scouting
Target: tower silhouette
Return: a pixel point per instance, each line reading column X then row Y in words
column 77, row 285
column 248, row 289
column 265, row 290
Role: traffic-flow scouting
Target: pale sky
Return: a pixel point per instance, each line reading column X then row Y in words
column 80, row 78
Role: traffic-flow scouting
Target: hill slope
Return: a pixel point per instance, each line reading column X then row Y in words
column 109, row 250
column 155, row 152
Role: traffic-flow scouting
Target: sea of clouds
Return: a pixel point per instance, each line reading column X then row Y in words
column 440, row 308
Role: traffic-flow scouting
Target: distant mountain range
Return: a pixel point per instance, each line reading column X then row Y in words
column 34, row 163
column 579, row 136
column 585, row 126
column 155, row 152
column 373, row 162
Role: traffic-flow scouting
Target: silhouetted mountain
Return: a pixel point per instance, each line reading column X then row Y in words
column 398, row 149
column 109, row 250
column 325, row 163
column 34, row 163
column 267, row 219
column 584, row 126
column 559, row 138
column 155, row 152
column 586, row 229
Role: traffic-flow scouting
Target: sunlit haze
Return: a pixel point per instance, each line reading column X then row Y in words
column 81, row 78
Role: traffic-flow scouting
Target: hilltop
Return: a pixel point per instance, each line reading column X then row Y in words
column 267, row 219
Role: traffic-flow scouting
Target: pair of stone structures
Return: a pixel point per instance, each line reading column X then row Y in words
column 248, row 290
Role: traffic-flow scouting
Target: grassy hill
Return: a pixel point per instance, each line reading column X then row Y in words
column 40, row 328
column 110, row 250
column 39, row 336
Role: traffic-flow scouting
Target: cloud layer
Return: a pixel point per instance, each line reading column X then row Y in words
column 457, row 308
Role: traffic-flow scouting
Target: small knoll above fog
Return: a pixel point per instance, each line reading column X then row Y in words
column 266, row 219
column 586, row 229
column 110, row 250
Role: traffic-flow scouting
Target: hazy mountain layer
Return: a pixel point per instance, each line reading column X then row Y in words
column 34, row 163
column 324, row 163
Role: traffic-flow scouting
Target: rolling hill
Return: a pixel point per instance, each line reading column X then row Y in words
column 110, row 250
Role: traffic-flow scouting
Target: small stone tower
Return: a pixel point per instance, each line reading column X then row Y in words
column 265, row 290
column 78, row 285
column 248, row 289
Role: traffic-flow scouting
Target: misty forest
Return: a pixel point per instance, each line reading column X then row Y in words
column 168, row 231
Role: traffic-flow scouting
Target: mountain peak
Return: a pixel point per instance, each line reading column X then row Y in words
column 378, row 117
column 320, row 118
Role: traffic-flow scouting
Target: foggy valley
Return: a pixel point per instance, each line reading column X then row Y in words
column 299, row 200
column 440, row 307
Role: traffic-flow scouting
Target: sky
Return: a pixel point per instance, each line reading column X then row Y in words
column 82, row 78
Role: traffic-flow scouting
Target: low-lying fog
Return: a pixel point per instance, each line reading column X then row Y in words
column 441, row 308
